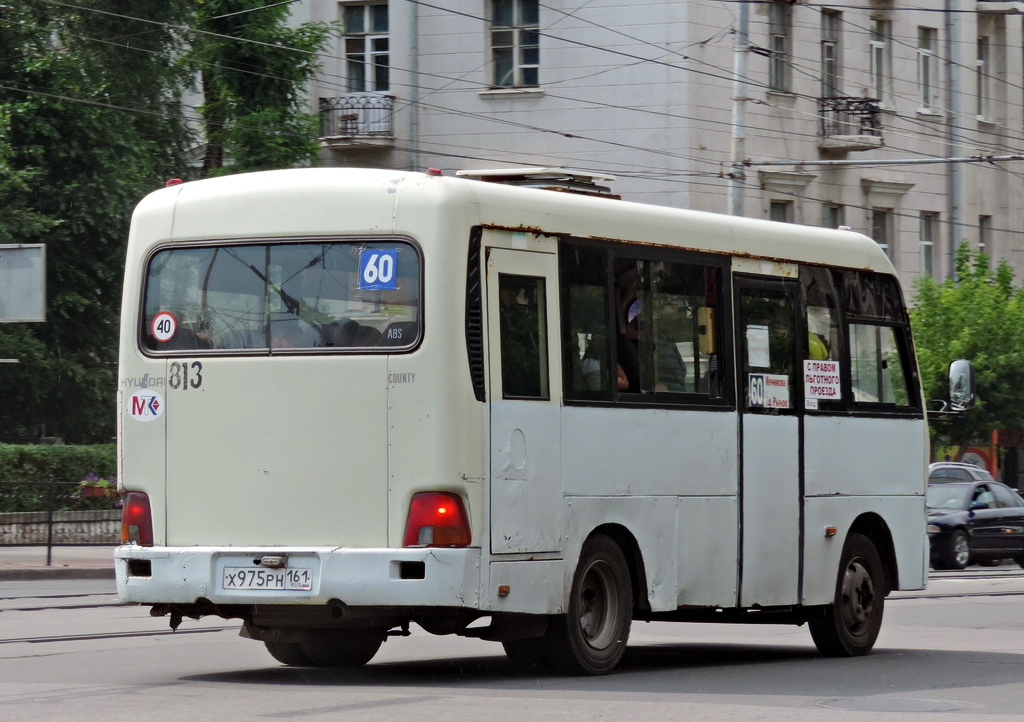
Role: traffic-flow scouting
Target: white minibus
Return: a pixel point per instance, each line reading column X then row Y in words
column 508, row 406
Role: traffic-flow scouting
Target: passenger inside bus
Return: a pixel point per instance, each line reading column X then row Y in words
column 630, row 308
column 592, row 364
column 292, row 333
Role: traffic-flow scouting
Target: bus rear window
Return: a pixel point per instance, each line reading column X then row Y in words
column 285, row 296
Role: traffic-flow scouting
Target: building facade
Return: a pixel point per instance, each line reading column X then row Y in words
column 901, row 119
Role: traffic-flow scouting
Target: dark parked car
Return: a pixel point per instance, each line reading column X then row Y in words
column 972, row 517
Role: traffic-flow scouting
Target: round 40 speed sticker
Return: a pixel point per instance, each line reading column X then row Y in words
column 163, row 326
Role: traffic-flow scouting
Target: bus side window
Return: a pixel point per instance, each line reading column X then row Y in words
column 881, row 356
column 875, row 365
column 524, row 343
column 821, row 306
column 586, row 354
column 682, row 329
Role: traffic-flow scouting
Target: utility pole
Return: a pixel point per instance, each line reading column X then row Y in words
column 954, row 22
column 741, row 53
column 414, row 93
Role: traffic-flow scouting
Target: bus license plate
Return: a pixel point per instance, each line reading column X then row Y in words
column 286, row 579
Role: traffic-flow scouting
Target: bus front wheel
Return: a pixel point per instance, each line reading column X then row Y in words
column 591, row 637
column 849, row 626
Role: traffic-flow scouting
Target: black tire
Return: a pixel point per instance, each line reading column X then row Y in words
column 1020, row 560
column 958, row 550
column 348, row 648
column 849, row 626
column 591, row 637
column 289, row 653
column 527, row 655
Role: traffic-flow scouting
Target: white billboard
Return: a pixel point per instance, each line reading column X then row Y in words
column 22, row 282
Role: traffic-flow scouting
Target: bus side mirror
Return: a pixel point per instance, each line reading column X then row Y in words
column 961, row 385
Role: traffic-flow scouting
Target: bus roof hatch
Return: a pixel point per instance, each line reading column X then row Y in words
column 554, row 179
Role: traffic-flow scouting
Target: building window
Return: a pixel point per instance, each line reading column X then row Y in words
column 929, row 232
column 366, row 47
column 881, row 228
column 881, row 59
column 927, row 69
column 984, row 234
column 515, row 43
column 781, row 211
column 981, row 73
column 830, row 54
column 780, row 31
column 832, row 215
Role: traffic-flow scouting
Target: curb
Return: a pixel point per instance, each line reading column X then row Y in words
column 36, row 573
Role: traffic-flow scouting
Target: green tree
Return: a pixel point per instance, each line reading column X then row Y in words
column 978, row 316
column 90, row 122
column 254, row 69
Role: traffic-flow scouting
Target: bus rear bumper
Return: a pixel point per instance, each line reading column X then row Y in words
column 298, row 575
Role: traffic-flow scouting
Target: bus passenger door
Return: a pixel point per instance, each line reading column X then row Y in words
column 770, row 493
column 523, row 395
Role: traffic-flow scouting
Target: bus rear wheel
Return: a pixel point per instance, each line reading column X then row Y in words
column 849, row 626
column 289, row 653
column 527, row 655
column 591, row 637
column 348, row 648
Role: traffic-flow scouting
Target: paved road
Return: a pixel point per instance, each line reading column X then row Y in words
column 69, row 651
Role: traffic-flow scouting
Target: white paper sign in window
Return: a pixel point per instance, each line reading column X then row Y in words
column 757, row 347
column 821, row 380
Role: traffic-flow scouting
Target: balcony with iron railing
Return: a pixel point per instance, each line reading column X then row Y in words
column 1001, row 7
column 357, row 119
column 849, row 123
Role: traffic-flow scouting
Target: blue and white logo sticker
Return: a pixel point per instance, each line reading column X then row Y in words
column 145, row 405
column 378, row 269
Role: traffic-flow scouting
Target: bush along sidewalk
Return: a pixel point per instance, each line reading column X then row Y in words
column 70, row 463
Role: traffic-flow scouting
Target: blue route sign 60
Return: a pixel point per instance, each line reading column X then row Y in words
column 378, row 269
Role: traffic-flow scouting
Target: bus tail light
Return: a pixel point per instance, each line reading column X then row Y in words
column 136, row 520
column 436, row 519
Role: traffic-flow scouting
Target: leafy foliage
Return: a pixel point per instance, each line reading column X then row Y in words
column 83, row 139
column 68, row 463
column 53, row 477
column 253, row 68
column 91, row 120
column 978, row 316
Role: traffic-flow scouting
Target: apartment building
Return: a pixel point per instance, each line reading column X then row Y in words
column 901, row 119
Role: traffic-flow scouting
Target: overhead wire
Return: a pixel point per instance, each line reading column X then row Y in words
column 725, row 76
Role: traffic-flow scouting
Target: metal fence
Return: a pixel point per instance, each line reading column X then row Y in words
column 55, row 513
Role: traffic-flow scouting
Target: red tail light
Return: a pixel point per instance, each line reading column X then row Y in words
column 136, row 519
column 436, row 519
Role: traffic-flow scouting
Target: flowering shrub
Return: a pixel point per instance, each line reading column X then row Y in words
column 93, row 486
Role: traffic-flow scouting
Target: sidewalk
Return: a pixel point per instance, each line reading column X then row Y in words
column 20, row 563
